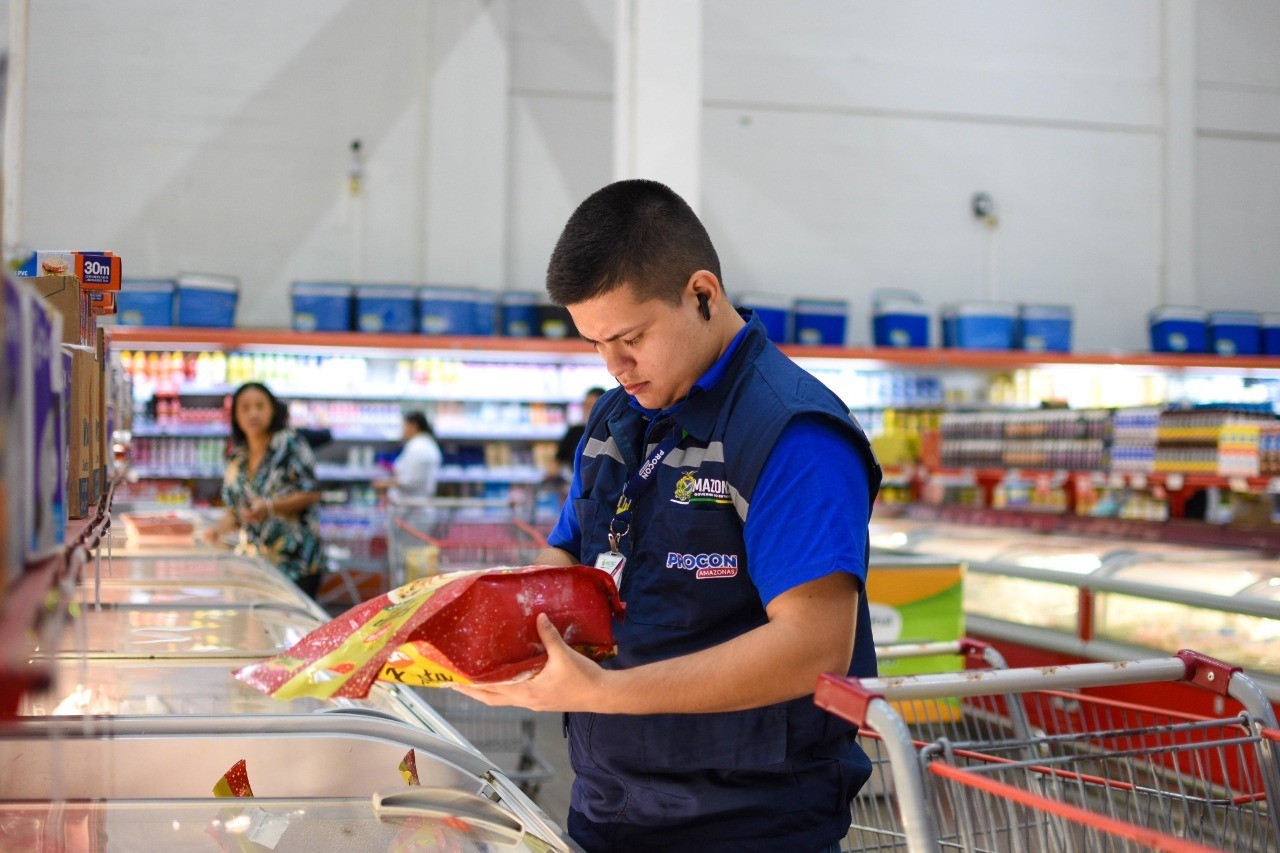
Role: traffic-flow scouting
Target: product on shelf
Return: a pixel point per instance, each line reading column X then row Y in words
column 12, row 436
column 1054, row 439
column 81, row 381
column 159, row 529
column 46, row 477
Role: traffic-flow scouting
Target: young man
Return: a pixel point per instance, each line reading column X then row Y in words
column 728, row 492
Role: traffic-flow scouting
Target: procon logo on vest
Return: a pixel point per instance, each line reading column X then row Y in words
column 706, row 565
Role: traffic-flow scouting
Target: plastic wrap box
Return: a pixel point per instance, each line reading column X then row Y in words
column 1271, row 334
column 979, row 325
column 774, row 313
column 63, row 294
column 1235, row 332
column 1044, row 328
column 1179, row 329
column 899, row 318
column 449, row 311
column 46, row 477
column 519, row 310
column 820, row 322
column 207, row 300
column 321, row 306
column 390, row 309
column 145, row 302
column 94, row 270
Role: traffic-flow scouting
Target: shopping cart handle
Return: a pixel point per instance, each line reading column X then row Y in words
column 844, row 697
column 1208, row 673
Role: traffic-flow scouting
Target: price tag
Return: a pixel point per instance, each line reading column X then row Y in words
column 1175, row 482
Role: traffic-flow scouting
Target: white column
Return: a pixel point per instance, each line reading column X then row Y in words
column 467, row 141
column 15, row 125
column 1178, row 278
column 658, row 94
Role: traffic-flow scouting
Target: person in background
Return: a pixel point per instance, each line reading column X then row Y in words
column 269, row 488
column 567, row 450
column 728, row 492
column 417, row 468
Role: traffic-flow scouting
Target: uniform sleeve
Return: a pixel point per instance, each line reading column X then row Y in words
column 809, row 512
column 567, row 534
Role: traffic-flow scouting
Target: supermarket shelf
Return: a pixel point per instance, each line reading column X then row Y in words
column 387, row 393
column 929, row 358
column 1172, row 481
column 479, row 432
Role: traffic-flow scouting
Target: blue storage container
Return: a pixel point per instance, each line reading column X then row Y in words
column 447, row 311
column 1176, row 328
column 520, row 314
column 899, row 318
column 484, row 311
column 774, row 313
column 207, row 300
column 979, row 325
column 1235, row 332
column 1044, row 328
column 386, row 308
column 820, row 322
column 145, row 302
column 1271, row 334
column 321, row 306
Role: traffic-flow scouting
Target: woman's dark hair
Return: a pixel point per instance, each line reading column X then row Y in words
column 633, row 232
column 419, row 420
column 279, row 411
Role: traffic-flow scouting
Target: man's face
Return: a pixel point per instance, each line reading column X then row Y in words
column 654, row 349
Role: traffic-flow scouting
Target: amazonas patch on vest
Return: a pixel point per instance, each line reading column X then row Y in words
column 692, row 489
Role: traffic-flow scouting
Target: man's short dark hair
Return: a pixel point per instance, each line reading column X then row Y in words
column 635, row 232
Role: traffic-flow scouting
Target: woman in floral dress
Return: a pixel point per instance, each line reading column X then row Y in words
column 269, row 488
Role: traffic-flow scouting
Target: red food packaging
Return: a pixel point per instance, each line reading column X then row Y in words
column 467, row 627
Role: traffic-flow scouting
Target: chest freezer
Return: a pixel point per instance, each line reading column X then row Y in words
column 174, row 631
column 190, row 568
column 209, row 593
column 321, row 782
column 204, row 686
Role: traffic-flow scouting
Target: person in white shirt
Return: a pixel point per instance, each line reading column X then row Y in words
column 417, row 467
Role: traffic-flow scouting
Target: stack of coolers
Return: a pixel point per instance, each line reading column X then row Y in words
column 995, row 325
column 811, row 322
column 529, row 314
column 899, row 318
column 1188, row 329
column 199, row 300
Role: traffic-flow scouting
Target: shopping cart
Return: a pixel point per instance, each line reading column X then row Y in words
column 998, row 760
column 427, row 537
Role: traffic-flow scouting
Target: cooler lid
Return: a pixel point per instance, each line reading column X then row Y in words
column 1235, row 318
column 438, row 293
column 519, row 297
column 829, row 307
column 1178, row 312
column 321, row 288
column 981, row 308
column 385, row 291
column 1045, row 312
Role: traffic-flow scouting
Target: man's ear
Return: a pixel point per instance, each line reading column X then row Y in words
column 704, row 287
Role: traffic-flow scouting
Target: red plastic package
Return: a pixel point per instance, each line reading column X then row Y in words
column 467, row 627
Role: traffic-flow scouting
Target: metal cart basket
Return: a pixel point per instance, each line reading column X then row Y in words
column 1019, row 760
column 428, row 537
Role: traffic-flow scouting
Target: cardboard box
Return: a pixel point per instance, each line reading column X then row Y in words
column 64, row 294
column 96, row 270
column 81, row 416
column 102, row 303
column 12, row 435
column 46, row 523
column 98, row 469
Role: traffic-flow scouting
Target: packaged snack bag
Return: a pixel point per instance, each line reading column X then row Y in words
column 234, row 783
column 409, row 769
column 465, row 627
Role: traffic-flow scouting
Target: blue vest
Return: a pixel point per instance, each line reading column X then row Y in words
column 772, row 778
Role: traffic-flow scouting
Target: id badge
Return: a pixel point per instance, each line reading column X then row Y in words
column 611, row 562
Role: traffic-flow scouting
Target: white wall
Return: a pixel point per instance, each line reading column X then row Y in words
column 841, row 144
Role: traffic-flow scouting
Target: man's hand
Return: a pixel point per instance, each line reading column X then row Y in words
column 568, row 682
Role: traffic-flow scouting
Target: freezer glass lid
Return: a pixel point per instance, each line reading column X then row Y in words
column 982, row 547
column 185, row 592
column 220, row 825
column 189, row 568
column 1214, row 578
column 256, row 631
column 105, row 687
column 1060, row 554
column 893, row 534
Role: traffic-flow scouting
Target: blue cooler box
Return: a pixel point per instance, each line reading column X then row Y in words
column 321, row 306
column 386, row 308
column 520, row 314
column 1176, row 328
column 774, row 313
column 145, row 302
column 979, row 325
column 1235, row 332
column 484, row 312
column 1271, row 334
column 554, row 322
column 899, row 318
column 1044, row 328
column 820, row 322
column 447, row 310
column 207, row 300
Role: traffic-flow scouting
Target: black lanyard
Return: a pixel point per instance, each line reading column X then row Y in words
column 620, row 524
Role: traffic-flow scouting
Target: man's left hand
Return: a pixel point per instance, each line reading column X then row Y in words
column 568, row 682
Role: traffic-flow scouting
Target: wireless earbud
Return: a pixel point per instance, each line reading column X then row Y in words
column 703, row 308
